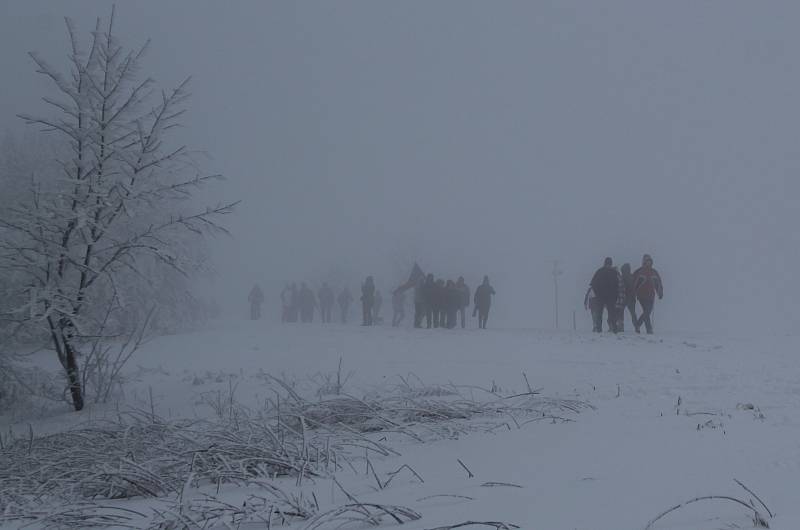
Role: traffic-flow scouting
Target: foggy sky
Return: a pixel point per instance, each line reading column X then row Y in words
column 482, row 138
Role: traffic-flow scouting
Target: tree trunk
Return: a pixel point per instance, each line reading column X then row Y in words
column 73, row 376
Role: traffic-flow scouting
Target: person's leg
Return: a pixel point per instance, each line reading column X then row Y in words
column 611, row 310
column 632, row 311
column 462, row 313
column 647, row 310
column 597, row 318
column 484, row 315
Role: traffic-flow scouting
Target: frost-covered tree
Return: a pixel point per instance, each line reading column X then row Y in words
column 118, row 208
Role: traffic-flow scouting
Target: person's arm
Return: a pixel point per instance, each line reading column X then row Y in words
column 659, row 286
column 586, row 299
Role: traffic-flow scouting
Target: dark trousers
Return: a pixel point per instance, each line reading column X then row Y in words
column 343, row 309
column 483, row 316
column 611, row 307
column 255, row 311
column 367, row 309
column 452, row 318
column 325, row 313
column 463, row 313
column 647, row 310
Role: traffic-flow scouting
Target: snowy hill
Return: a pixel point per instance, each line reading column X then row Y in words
column 632, row 425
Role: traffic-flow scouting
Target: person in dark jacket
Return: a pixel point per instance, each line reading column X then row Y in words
column 308, row 302
column 647, row 284
column 367, row 300
column 605, row 284
column 452, row 304
column 419, row 302
column 376, row 308
column 344, row 299
column 630, row 292
column 483, row 302
column 256, row 298
column 619, row 307
column 464, row 293
column 326, row 300
column 429, row 294
column 439, row 304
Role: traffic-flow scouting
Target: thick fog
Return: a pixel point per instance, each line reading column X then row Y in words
column 481, row 138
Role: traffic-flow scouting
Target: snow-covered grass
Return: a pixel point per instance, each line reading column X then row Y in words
column 379, row 426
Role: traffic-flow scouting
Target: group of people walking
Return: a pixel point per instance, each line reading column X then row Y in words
column 612, row 291
column 300, row 304
column 441, row 303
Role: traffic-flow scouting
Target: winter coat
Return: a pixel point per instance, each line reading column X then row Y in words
column 453, row 295
column 630, row 292
column 605, row 284
column 647, row 283
column 419, row 293
column 368, row 293
column 621, row 293
column 463, row 290
column 256, row 297
column 483, row 295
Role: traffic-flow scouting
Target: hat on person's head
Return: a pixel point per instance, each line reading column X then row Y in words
column 647, row 258
column 608, row 262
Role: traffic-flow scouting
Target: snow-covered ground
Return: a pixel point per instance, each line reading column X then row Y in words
column 674, row 418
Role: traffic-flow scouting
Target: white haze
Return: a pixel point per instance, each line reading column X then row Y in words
column 482, row 138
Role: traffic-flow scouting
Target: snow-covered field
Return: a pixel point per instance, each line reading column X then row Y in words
column 673, row 418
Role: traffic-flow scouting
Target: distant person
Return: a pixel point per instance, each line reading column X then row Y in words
column 326, row 299
column 376, row 308
column 367, row 300
column 398, row 307
column 452, row 304
column 483, row 302
column 464, row 293
column 308, row 303
column 294, row 303
column 630, row 292
column 591, row 303
column 419, row 302
column 256, row 298
column 647, row 284
column 605, row 284
column 344, row 299
column 619, row 307
column 439, row 304
column 286, row 303
column 429, row 295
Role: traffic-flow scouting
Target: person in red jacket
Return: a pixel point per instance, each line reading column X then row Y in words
column 647, row 284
